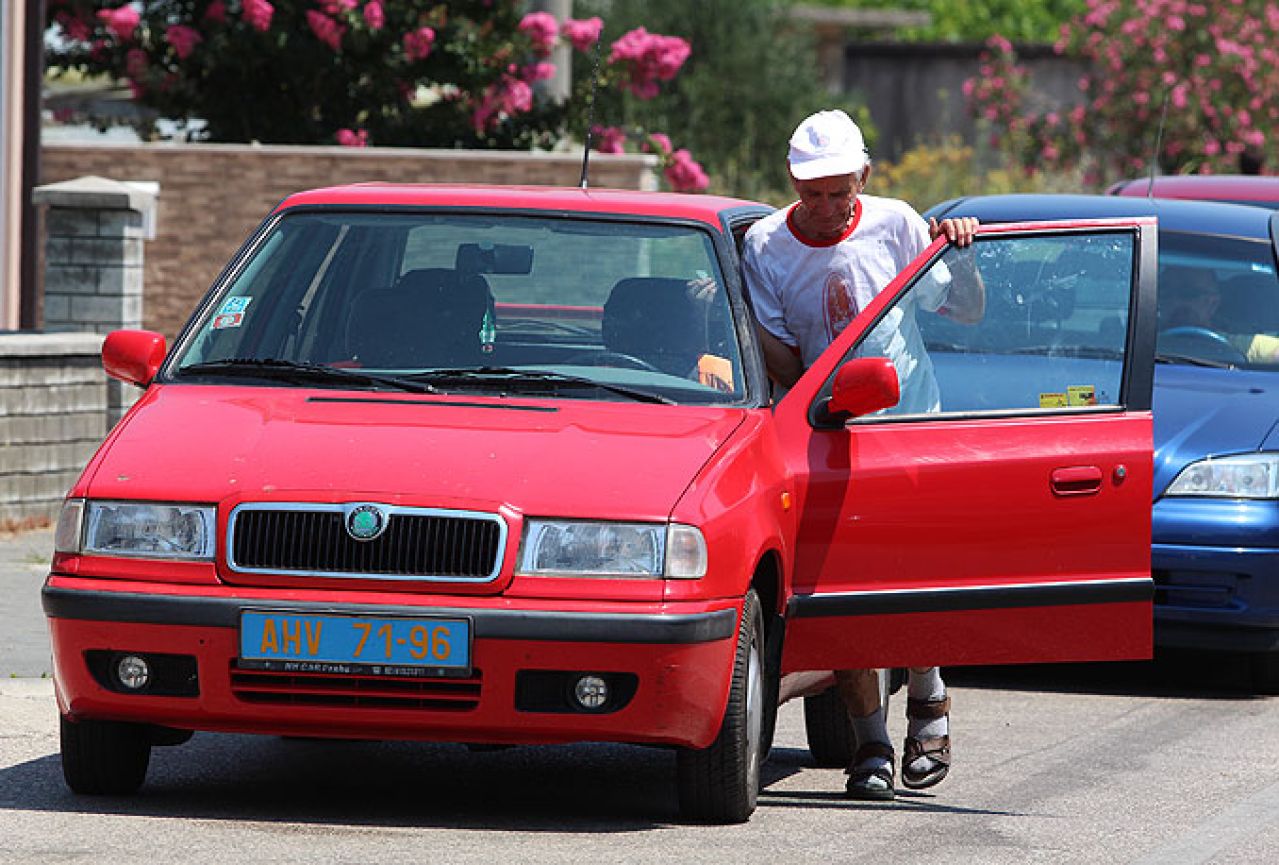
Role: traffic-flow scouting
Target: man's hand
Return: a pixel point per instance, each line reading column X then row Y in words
column 958, row 230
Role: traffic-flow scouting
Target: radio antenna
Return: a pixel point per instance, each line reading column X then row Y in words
column 590, row 115
column 1159, row 143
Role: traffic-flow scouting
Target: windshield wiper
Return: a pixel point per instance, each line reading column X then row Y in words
column 506, row 375
column 1194, row 361
column 275, row 369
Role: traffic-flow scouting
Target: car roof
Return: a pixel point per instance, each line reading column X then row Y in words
column 1200, row 217
column 705, row 208
column 1217, row 187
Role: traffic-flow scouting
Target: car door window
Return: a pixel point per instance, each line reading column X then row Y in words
column 1051, row 336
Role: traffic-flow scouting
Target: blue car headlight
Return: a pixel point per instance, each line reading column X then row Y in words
column 1245, row 476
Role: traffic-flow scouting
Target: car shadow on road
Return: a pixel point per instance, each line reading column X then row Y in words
column 577, row 788
column 1171, row 674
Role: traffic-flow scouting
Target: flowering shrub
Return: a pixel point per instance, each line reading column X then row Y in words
column 1215, row 66
column 360, row 72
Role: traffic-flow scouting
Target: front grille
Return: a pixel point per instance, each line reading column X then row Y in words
column 356, row 691
column 418, row 543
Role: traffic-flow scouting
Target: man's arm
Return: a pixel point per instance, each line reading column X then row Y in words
column 783, row 364
column 966, row 301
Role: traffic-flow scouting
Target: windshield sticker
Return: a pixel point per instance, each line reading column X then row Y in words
column 234, row 305
column 1081, row 394
column 715, row 372
column 1052, row 400
column 225, row 320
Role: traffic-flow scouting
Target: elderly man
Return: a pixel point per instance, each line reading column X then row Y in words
column 810, row 268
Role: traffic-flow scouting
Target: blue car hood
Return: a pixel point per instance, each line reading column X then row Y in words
column 1200, row 412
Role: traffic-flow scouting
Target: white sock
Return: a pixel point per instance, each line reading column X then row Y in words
column 872, row 728
column 926, row 686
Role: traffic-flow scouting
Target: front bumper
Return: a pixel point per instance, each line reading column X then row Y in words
column 679, row 655
column 1215, row 564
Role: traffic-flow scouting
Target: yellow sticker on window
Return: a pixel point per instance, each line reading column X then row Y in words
column 1052, row 400
column 1081, row 394
column 715, row 371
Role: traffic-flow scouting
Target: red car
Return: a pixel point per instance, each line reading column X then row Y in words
column 501, row 465
column 1258, row 190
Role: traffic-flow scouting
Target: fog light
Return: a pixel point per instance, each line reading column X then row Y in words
column 591, row 692
column 133, row 672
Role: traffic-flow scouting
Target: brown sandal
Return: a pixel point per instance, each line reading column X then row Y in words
column 936, row 750
column 861, row 782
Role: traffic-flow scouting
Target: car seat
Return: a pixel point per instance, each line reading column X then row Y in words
column 656, row 320
column 1249, row 304
column 431, row 317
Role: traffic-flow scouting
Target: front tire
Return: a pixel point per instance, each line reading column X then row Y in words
column 1265, row 672
column 104, row 758
column 720, row 784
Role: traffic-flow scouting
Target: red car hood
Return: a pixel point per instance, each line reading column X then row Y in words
column 563, row 458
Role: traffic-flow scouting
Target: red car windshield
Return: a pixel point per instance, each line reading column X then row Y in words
column 477, row 302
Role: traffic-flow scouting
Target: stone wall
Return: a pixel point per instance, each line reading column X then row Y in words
column 212, row 196
column 53, row 414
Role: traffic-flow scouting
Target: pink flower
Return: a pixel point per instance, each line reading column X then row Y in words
column 352, row 137
column 374, row 16
column 216, row 12
column 583, row 34
column 650, row 58
column 135, row 63
column 75, row 28
column 659, row 141
column 609, row 139
column 183, row 39
column 537, row 71
column 684, row 174
column 325, row 29
column 542, row 30
column 257, row 13
column 122, row 22
column 504, row 97
column 337, row 7
column 417, row 43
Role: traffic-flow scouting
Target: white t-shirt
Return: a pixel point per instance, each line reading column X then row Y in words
column 805, row 292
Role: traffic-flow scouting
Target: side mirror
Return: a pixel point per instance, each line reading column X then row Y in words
column 862, row 386
column 133, row 356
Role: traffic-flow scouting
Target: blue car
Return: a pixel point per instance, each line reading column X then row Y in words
column 1215, row 522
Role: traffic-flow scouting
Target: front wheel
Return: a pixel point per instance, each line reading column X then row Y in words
column 104, row 757
column 720, row 784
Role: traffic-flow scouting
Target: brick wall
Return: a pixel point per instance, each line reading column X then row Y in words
column 53, row 414
column 212, row 196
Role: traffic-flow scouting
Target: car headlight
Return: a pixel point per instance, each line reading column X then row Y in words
column 572, row 548
column 144, row 529
column 1247, row 476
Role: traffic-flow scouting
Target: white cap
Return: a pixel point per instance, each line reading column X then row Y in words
column 826, row 144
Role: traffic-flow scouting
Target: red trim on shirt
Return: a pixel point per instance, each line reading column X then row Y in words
column 808, row 241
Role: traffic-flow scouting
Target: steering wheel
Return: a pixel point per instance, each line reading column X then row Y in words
column 1199, row 342
column 611, row 358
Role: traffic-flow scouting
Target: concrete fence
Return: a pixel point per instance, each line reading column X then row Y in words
column 53, row 414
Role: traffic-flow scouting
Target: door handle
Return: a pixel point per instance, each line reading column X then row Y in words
column 1076, row 481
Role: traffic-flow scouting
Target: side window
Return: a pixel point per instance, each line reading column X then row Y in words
column 1028, row 323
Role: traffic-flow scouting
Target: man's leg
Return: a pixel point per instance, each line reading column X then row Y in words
column 926, row 755
column 870, row 775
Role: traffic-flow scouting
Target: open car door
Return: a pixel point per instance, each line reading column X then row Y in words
column 1002, row 513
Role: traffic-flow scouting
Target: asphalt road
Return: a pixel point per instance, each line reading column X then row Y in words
column 1161, row 762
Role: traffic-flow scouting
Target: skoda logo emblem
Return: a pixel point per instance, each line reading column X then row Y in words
column 366, row 522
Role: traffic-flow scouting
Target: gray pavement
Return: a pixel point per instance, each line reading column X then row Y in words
column 24, row 638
